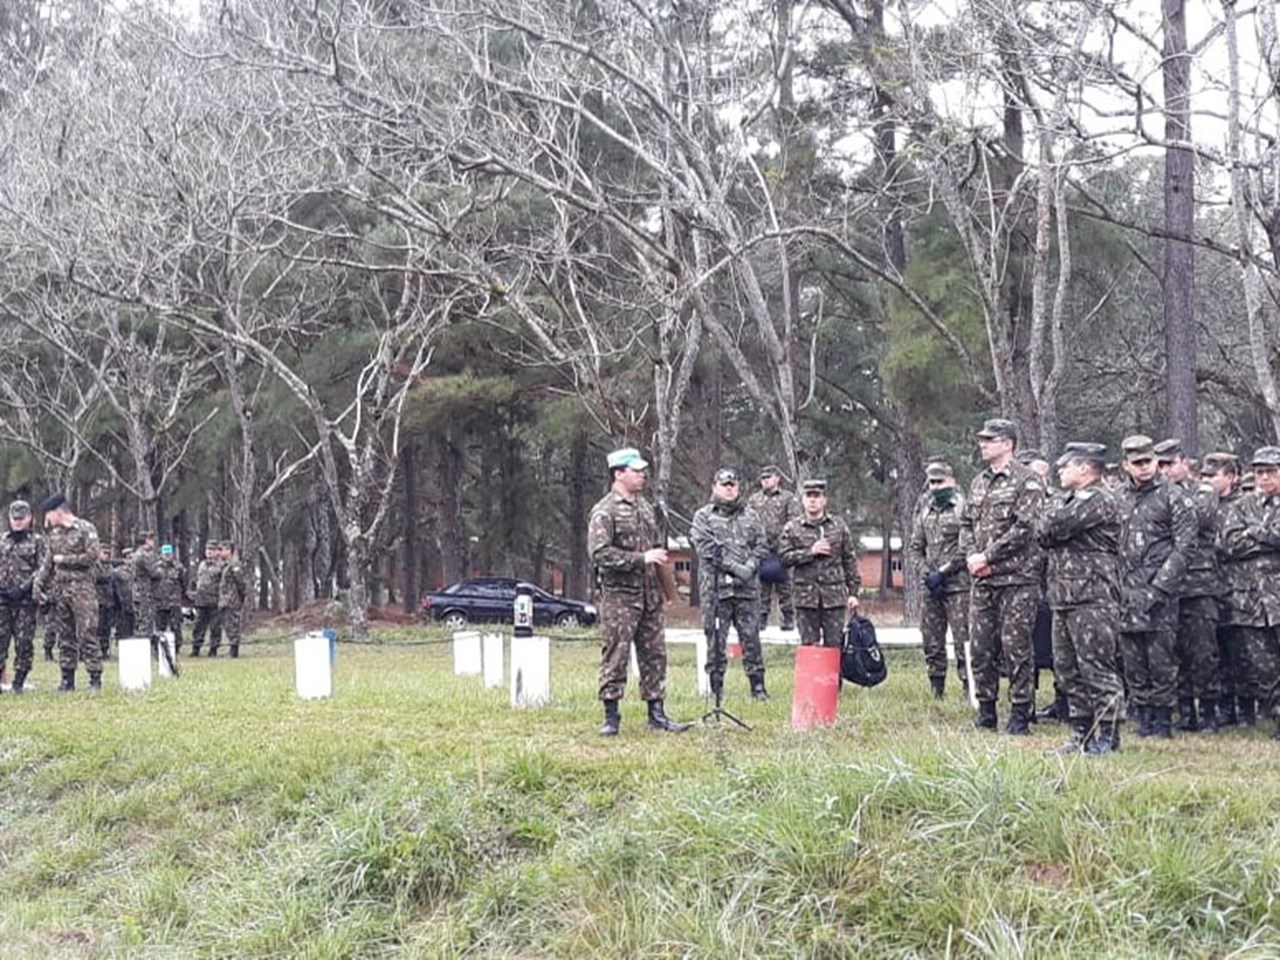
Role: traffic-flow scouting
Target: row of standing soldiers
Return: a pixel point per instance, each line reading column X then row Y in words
column 1162, row 588
column 66, row 578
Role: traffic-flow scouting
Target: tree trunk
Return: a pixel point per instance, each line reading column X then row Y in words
column 579, row 504
column 409, row 526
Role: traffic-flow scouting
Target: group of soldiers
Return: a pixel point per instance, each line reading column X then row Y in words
column 745, row 548
column 67, row 579
column 1156, row 576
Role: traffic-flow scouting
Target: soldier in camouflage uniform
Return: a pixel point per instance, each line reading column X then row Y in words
column 122, row 585
column 1002, row 555
column 104, row 588
column 21, row 556
column 66, row 580
column 1158, row 532
column 169, row 596
column 204, row 596
column 935, row 548
column 776, row 508
column 1080, row 530
column 145, row 566
column 1197, row 636
column 1222, row 470
column 818, row 549
column 730, row 542
column 626, row 547
column 233, row 590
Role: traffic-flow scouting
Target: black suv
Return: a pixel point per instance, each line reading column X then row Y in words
column 492, row 600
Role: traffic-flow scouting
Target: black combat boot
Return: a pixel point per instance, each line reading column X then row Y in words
column 1188, row 721
column 658, row 719
column 1076, row 740
column 95, row 680
column 1162, row 722
column 1226, row 711
column 1019, row 724
column 1106, row 740
column 1058, row 711
column 213, row 652
column 612, row 721
column 48, row 654
column 1146, row 721
column 788, row 621
column 234, row 651
column 68, row 681
column 987, row 719
column 195, row 650
column 1208, row 716
column 1248, row 713
column 19, row 679
column 939, row 685
column 758, row 692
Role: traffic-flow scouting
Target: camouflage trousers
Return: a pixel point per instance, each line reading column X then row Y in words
column 1000, row 623
column 232, row 624
column 785, row 606
column 1150, row 666
column 74, row 620
column 106, row 620
column 19, row 624
column 1197, row 649
column 1084, row 660
column 1236, row 677
column 936, row 614
column 744, row 614
column 144, row 619
column 208, row 620
column 821, row 626
column 1262, row 646
column 626, row 619
column 170, row 618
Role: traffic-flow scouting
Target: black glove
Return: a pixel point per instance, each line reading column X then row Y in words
column 934, row 581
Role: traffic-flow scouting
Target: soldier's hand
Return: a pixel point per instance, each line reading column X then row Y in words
column 655, row 555
column 821, row 548
column 976, row 562
column 851, row 604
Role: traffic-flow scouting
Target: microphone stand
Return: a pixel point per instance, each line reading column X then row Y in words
column 716, row 653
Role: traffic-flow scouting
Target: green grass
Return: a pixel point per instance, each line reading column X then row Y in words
column 416, row 815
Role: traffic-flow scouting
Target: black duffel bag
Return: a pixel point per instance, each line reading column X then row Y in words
column 861, row 659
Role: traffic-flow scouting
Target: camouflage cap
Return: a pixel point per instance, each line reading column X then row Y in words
column 19, row 509
column 1220, row 462
column 998, row 428
column 726, row 475
column 814, row 486
column 770, row 470
column 1138, row 447
column 1266, row 457
column 1169, row 450
column 1093, row 452
column 1029, row 455
column 938, row 470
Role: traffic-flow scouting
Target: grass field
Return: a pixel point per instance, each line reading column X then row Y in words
column 417, row 815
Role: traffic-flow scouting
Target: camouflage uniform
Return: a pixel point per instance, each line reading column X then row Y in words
column 204, row 596
column 69, row 587
column 726, row 533
column 999, row 520
column 1236, row 609
column 145, row 568
column 1251, row 538
column 935, row 546
column 775, row 508
column 122, row 606
column 104, row 588
column 820, row 586
column 619, row 531
column 232, row 591
column 21, row 556
column 1080, row 530
column 1158, row 531
column 1197, row 634
column 169, row 598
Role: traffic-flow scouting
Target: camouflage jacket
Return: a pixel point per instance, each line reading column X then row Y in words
column 169, row 586
column 145, row 568
column 21, row 556
column 820, row 582
column 206, row 583
column 935, row 541
column 775, row 511
column 1240, row 602
column 730, row 533
column 1250, row 542
column 122, row 585
column 233, row 588
column 1203, row 578
column 1080, row 530
column 619, row 531
column 1157, row 531
column 999, row 520
column 104, row 582
column 77, row 544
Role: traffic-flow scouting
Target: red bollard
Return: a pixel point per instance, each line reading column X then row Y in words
column 817, row 691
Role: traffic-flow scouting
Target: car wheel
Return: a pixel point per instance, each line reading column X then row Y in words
column 569, row 619
column 454, row 619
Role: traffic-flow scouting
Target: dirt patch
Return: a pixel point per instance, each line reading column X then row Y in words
column 330, row 613
column 1056, row 875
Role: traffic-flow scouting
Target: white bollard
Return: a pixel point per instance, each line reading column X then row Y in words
column 700, row 664
column 313, row 674
column 135, row 663
column 530, row 671
column 468, row 657
column 166, row 642
column 492, row 652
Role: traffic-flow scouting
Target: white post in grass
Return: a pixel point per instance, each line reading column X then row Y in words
column 313, row 672
column 492, row 654
column 530, row 671
column 135, row 663
column 468, row 659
